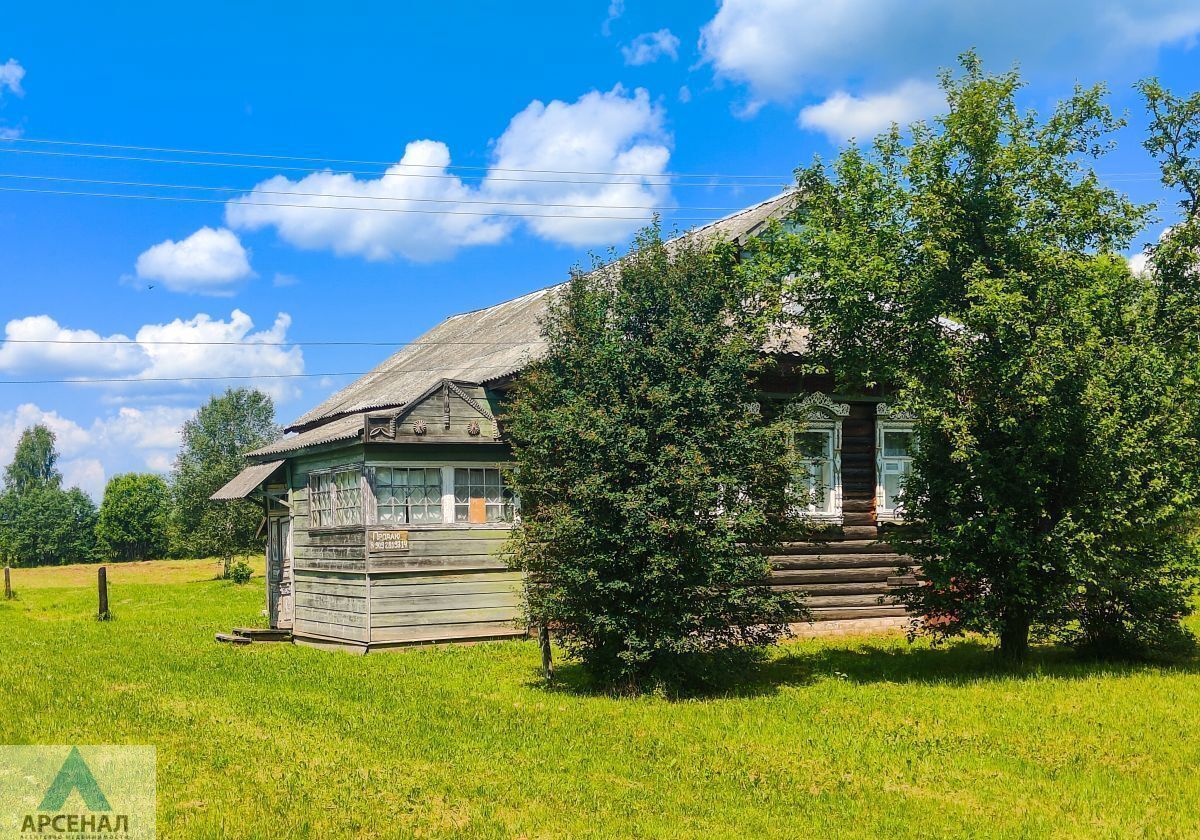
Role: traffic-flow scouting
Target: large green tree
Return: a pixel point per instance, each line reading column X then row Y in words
column 212, row 451
column 40, row 523
column 646, row 472
column 47, row 526
column 34, row 462
column 975, row 268
column 132, row 523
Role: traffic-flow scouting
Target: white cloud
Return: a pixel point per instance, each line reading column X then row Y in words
column 230, row 347
column 209, row 261
column 11, row 74
column 600, row 132
column 616, row 8
column 685, row 94
column 394, row 225
column 617, row 131
column 649, row 47
column 843, row 116
column 183, row 349
column 85, row 473
column 129, row 440
column 785, row 48
column 27, row 347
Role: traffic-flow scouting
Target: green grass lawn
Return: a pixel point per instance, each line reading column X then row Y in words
column 862, row 738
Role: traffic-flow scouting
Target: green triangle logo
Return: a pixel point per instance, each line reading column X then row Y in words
column 74, row 775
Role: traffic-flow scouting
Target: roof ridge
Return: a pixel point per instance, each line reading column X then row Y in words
column 512, row 321
column 689, row 232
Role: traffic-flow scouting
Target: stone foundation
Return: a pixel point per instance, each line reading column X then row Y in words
column 850, row 627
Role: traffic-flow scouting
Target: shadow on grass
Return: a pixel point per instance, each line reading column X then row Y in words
column 864, row 662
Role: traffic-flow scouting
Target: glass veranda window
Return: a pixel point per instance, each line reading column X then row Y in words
column 480, row 495
column 335, row 498
column 320, row 500
column 408, row 495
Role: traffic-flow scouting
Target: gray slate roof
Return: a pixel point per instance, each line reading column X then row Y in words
column 478, row 346
column 246, row 482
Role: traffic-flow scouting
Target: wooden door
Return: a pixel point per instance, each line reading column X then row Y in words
column 280, row 595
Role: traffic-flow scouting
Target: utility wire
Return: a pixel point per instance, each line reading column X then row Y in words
column 136, row 379
column 251, row 190
column 121, row 341
column 641, row 179
column 377, row 162
column 420, row 210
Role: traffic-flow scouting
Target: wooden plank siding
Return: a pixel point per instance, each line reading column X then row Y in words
column 450, row 584
column 331, row 605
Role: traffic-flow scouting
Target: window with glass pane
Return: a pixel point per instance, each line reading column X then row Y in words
column 814, row 478
column 895, row 463
column 347, row 497
column 408, row 495
column 320, row 500
column 335, row 498
column 480, row 495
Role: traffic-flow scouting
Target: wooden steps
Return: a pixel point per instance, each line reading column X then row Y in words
column 264, row 634
column 249, row 635
column 231, row 639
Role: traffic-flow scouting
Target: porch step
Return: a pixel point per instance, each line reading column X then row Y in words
column 231, row 639
column 263, row 634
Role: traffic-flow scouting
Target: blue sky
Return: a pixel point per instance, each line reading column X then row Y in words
column 739, row 88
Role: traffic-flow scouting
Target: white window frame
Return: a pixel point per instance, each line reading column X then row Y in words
column 822, row 414
column 447, row 468
column 888, row 419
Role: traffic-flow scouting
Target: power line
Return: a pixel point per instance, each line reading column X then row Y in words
column 231, row 165
column 181, row 342
column 138, row 379
column 153, row 185
column 464, row 167
column 420, row 210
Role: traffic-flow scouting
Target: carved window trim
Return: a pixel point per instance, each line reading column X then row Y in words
column 889, row 419
column 821, row 414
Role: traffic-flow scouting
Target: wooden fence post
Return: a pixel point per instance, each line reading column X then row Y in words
column 102, row 582
column 7, row 584
column 544, row 643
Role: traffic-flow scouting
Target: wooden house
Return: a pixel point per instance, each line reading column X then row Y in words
column 387, row 507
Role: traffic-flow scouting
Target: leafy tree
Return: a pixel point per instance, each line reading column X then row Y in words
column 45, row 526
column 644, row 474
column 34, row 462
column 211, row 453
column 976, row 269
column 40, row 523
column 132, row 523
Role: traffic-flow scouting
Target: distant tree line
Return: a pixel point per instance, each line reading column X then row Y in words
column 141, row 515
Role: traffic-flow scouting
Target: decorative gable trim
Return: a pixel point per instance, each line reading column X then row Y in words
column 824, row 403
column 883, row 410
